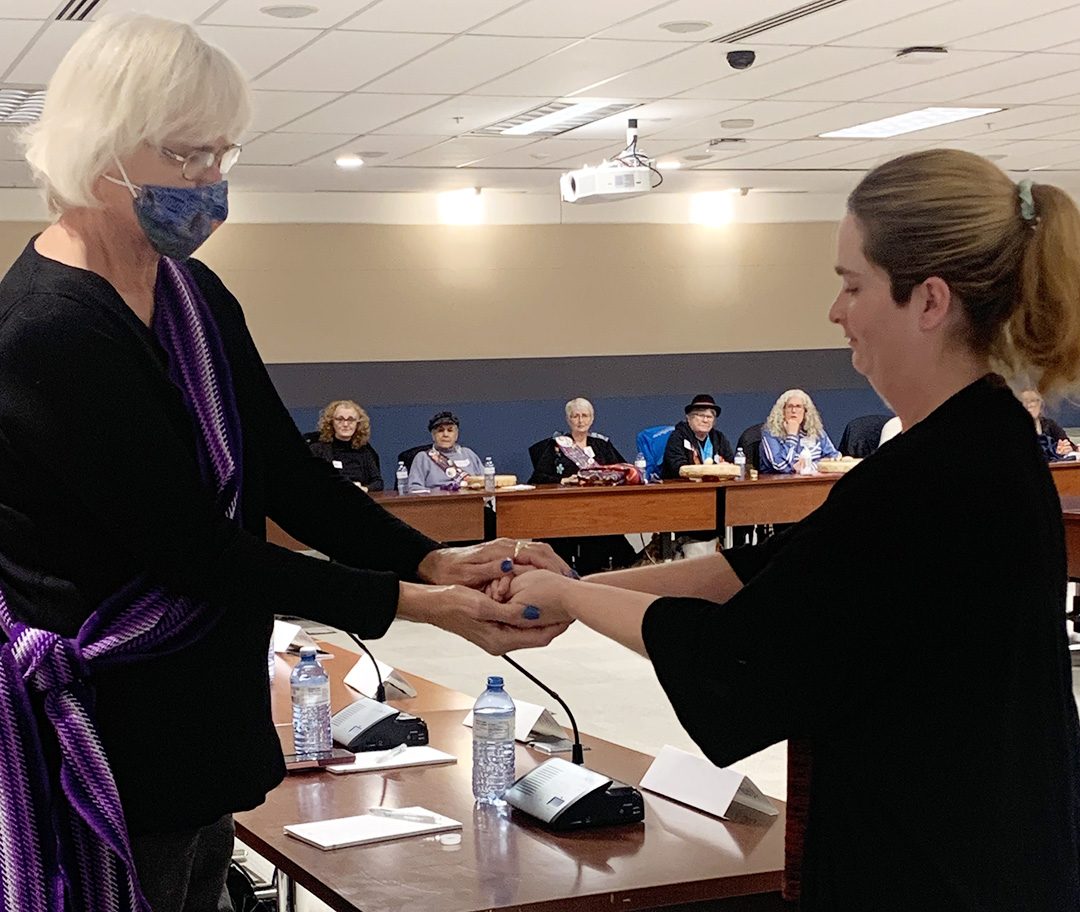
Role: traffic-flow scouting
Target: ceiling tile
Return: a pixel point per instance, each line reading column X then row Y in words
column 567, row 18
column 189, row 11
column 464, row 62
column 257, row 49
column 1034, row 34
column 328, row 13
column 763, row 113
column 786, row 152
column 9, row 149
column 984, row 80
column 272, row 109
column 457, row 152
column 290, row 148
column 673, row 118
column 1034, row 92
column 1058, row 123
column 579, row 68
column 464, row 114
column 725, row 17
column 834, row 118
column 342, row 61
column 1072, row 47
column 830, row 25
column 992, row 123
column 15, row 174
column 692, row 67
column 653, row 148
column 427, row 15
column 789, row 73
column 379, row 149
column 890, row 76
column 361, row 113
column 29, row 9
column 14, row 36
column 46, row 52
column 547, row 153
column 947, row 22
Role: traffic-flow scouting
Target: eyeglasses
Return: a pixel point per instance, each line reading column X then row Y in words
column 346, row 420
column 195, row 164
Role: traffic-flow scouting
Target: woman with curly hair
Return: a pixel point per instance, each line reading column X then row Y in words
column 793, row 427
column 345, row 442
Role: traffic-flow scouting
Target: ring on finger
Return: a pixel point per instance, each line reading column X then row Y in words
column 518, row 545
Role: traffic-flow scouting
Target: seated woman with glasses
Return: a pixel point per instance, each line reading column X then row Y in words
column 794, row 433
column 446, row 464
column 344, row 441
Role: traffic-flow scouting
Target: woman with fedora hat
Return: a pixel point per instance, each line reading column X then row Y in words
column 696, row 441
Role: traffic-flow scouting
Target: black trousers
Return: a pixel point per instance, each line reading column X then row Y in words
column 185, row 871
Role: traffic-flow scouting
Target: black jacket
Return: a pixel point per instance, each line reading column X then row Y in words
column 189, row 735
column 550, row 466
column 677, row 454
column 360, row 464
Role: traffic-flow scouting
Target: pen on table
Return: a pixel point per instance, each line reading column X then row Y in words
column 394, row 814
column 390, row 754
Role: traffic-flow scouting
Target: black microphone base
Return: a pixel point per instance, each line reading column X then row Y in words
column 619, row 803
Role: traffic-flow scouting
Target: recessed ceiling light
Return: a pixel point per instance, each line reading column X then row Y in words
column 669, row 165
column 737, row 123
column 685, row 26
column 697, row 157
column 563, row 115
column 288, row 11
column 366, row 155
column 996, row 157
column 907, row 123
column 921, row 54
column 349, row 161
column 539, row 156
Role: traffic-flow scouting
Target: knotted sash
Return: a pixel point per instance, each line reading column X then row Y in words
column 63, row 839
column 573, row 452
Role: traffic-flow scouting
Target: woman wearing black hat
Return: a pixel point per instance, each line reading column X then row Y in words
column 696, row 441
column 446, row 463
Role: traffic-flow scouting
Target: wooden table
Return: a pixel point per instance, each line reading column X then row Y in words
column 504, row 861
column 558, row 511
column 1066, row 475
column 774, row 498
column 1070, row 512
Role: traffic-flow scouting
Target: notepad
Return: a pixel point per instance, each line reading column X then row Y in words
column 368, row 761
column 365, row 829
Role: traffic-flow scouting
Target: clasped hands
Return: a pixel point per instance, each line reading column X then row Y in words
column 473, row 593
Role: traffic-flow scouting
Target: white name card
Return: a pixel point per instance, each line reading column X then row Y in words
column 362, row 678
column 694, row 781
column 530, row 722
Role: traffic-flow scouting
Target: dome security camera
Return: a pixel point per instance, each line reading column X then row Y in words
column 741, row 60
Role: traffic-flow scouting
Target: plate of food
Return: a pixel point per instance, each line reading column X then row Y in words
column 721, row 471
column 476, row 482
column 837, row 466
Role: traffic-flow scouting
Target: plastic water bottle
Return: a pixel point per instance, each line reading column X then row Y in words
column 493, row 743
column 310, row 705
column 271, row 660
column 642, row 466
column 489, row 475
column 402, row 477
column 740, row 463
column 806, row 461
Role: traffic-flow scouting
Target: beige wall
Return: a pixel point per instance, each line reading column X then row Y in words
column 383, row 292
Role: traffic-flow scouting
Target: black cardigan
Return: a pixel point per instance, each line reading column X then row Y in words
column 189, row 736
column 929, row 671
column 552, row 466
column 677, row 453
column 357, row 464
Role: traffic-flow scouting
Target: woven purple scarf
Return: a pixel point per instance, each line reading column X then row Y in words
column 63, row 840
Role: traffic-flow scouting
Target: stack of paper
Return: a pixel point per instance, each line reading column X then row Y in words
column 367, row 828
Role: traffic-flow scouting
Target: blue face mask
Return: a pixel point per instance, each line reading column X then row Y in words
column 177, row 220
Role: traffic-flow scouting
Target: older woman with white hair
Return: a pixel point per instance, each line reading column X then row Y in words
column 137, row 590
column 560, row 456
column 793, row 437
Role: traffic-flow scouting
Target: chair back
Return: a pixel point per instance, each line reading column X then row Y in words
column 862, row 435
column 651, row 443
column 750, row 444
column 407, row 456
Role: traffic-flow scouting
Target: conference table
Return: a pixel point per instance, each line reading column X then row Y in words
column 678, row 857
column 557, row 511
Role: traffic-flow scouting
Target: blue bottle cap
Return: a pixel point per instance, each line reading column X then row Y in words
column 307, row 653
column 495, row 681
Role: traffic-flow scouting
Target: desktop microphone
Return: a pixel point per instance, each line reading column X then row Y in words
column 568, row 796
column 380, row 691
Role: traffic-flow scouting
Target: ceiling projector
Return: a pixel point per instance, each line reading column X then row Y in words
column 629, row 174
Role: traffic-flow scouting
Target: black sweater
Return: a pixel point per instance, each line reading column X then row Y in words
column 683, row 443
column 551, row 466
column 356, row 463
column 913, row 629
column 189, row 736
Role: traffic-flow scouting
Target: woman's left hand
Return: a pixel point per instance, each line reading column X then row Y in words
column 478, row 565
column 1064, row 447
column 549, row 594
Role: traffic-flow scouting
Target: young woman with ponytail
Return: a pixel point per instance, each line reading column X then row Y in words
column 930, row 686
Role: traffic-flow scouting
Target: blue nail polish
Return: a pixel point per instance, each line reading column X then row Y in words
column 507, row 565
column 531, row 613
column 573, row 574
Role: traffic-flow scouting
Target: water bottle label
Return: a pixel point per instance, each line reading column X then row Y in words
column 310, row 696
column 493, row 729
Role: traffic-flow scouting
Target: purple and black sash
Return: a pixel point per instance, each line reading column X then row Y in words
column 574, row 453
column 63, row 839
column 455, row 475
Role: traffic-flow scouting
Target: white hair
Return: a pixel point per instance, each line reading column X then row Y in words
column 130, row 80
column 579, row 403
column 812, row 425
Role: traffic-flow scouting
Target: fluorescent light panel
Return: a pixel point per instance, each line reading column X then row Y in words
column 907, row 123
column 556, row 117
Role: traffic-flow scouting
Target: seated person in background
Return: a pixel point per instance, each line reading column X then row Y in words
column 579, row 449
column 1053, row 439
column 891, row 428
column 696, row 441
column 793, row 426
column 343, row 440
column 446, row 462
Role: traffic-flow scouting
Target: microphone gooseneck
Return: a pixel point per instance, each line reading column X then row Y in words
column 380, row 691
column 578, row 754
